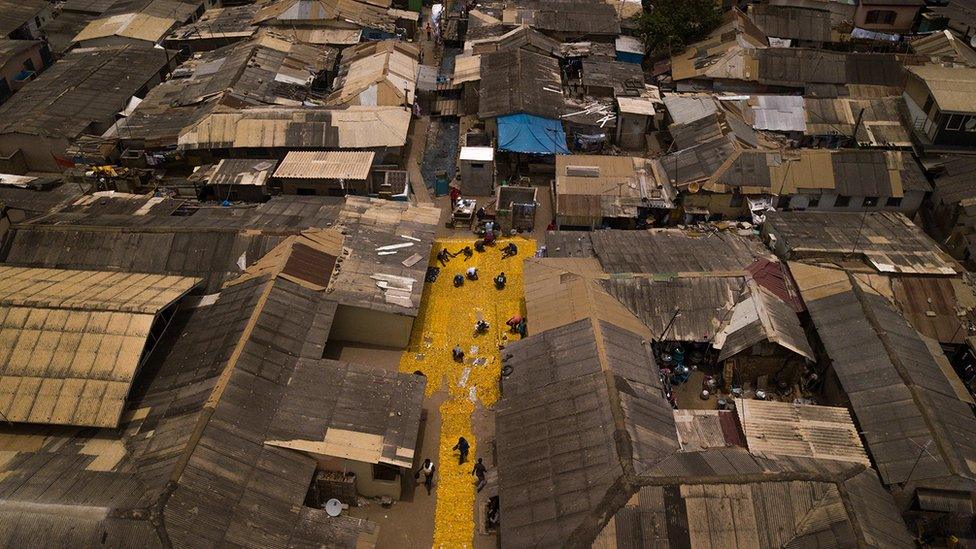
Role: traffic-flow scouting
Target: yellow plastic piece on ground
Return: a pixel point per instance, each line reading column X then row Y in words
column 447, row 318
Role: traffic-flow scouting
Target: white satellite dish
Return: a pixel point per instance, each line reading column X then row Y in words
column 333, row 507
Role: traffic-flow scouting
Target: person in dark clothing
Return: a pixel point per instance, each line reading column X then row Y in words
column 443, row 256
column 479, row 473
column 462, row 446
column 428, row 470
column 457, row 353
column 458, row 280
column 510, row 250
column 500, row 281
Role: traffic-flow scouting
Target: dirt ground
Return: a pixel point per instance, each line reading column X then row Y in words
column 542, row 217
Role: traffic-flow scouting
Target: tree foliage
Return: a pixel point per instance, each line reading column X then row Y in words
column 670, row 25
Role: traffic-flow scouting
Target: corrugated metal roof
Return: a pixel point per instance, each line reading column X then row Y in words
column 887, row 241
column 80, row 89
column 17, row 13
column 138, row 26
column 290, row 128
column 793, row 22
column 325, row 165
column 71, row 342
column 951, row 87
column 520, row 82
column 781, row 428
column 372, row 415
column 914, row 423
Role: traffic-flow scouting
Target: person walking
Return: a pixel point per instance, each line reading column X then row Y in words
column 479, row 473
column 462, row 446
column 428, row 470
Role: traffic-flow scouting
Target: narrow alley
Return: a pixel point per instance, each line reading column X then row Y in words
column 447, row 318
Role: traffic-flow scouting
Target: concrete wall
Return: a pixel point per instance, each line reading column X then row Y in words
column 631, row 131
column 359, row 325
column 113, row 41
column 16, row 64
column 721, row 204
column 477, row 178
column 366, row 485
column 37, row 150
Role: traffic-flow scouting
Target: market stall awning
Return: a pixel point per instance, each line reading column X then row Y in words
column 526, row 133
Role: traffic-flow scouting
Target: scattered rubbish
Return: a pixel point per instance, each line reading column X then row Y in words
column 412, row 260
column 394, row 246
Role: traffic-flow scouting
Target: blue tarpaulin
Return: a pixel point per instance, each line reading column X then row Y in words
column 526, row 133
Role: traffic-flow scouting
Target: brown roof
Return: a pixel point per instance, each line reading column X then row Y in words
column 325, row 165
column 72, row 341
column 888, row 241
column 520, row 82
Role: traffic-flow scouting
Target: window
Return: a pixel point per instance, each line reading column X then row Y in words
column 382, row 471
column 304, row 192
column 735, row 201
column 883, row 17
column 870, row 201
column 29, row 65
column 842, row 201
column 954, row 122
column 783, row 203
column 929, row 101
column 893, row 201
column 477, row 165
column 814, row 202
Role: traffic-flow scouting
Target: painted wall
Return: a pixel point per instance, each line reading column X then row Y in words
column 359, row 325
column 16, row 64
column 37, row 150
column 366, row 485
column 477, row 178
column 904, row 18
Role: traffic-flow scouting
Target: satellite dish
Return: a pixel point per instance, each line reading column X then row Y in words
column 333, row 507
column 972, row 41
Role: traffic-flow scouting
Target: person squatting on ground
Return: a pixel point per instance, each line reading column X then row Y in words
column 509, row 251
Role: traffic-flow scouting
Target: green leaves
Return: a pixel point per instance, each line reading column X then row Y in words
column 671, row 25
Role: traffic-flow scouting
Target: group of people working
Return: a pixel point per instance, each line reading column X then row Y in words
column 462, row 447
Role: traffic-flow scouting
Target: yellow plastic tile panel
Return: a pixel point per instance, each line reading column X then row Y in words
column 447, row 318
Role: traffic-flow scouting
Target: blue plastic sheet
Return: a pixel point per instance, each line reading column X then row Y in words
column 530, row 134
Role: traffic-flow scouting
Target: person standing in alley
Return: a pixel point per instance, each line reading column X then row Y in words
column 479, row 473
column 462, row 446
column 428, row 470
column 455, row 194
